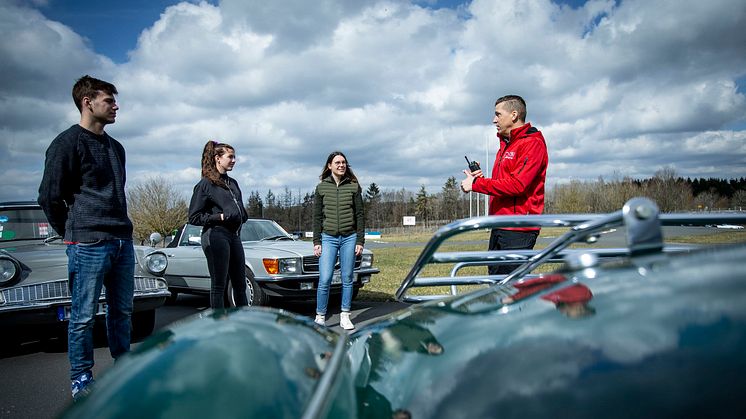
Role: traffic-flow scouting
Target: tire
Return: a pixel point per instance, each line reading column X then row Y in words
column 143, row 323
column 254, row 293
column 172, row 299
column 355, row 292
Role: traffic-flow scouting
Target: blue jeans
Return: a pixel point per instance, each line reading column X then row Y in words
column 110, row 263
column 330, row 247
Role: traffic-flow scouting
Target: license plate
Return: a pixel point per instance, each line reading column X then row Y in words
column 63, row 313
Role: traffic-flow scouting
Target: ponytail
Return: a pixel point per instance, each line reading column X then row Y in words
column 209, row 167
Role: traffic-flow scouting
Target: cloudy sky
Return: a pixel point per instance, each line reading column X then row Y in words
column 404, row 88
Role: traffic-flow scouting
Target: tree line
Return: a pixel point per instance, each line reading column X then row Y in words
column 156, row 206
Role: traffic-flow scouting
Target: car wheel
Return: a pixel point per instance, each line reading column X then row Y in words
column 172, row 299
column 143, row 323
column 254, row 294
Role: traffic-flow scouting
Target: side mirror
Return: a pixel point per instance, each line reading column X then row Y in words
column 155, row 238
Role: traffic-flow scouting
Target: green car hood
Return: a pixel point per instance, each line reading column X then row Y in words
column 253, row 362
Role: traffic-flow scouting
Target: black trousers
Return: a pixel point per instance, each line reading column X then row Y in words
column 510, row 240
column 225, row 262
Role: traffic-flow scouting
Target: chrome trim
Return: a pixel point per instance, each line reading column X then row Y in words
column 640, row 217
column 57, row 292
column 311, row 263
column 302, row 277
column 319, row 404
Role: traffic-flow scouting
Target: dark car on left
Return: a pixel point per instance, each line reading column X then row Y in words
column 34, row 288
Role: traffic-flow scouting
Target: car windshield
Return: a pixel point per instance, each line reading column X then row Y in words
column 254, row 230
column 24, row 224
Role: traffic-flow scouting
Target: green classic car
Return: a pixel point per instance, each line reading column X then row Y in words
column 645, row 331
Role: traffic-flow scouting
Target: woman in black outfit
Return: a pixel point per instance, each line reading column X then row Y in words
column 216, row 206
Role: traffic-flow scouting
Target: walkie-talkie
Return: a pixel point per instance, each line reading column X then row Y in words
column 473, row 165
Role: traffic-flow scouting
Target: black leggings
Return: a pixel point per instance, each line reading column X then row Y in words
column 225, row 260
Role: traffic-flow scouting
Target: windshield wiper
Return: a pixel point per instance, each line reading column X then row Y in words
column 50, row 239
column 277, row 237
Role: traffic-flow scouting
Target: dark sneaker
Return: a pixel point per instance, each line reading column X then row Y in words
column 81, row 386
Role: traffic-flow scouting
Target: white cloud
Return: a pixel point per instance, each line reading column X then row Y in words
column 405, row 91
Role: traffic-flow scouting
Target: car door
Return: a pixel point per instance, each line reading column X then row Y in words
column 187, row 265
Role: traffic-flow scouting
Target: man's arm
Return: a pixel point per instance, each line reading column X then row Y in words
column 60, row 177
column 530, row 164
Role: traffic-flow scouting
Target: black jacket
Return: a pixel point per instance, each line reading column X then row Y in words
column 210, row 200
column 82, row 190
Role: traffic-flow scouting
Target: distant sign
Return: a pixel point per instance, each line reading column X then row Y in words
column 309, row 234
column 408, row 221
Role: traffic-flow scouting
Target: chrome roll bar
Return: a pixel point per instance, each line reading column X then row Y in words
column 640, row 217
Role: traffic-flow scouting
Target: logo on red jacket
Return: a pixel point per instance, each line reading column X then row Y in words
column 509, row 155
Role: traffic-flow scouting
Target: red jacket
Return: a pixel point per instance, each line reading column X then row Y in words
column 518, row 175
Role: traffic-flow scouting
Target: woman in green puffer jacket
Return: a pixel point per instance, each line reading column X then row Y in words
column 338, row 229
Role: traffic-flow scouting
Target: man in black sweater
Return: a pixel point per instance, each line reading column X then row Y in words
column 82, row 194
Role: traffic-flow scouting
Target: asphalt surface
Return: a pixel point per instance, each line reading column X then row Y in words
column 34, row 380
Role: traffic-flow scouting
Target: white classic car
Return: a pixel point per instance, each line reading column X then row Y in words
column 277, row 265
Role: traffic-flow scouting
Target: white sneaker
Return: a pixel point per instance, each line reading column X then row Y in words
column 320, row 319
column 344, row 321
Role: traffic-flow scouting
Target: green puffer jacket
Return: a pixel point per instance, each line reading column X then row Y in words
column 338, row 210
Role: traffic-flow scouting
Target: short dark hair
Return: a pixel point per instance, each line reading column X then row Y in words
column 88, row 86
column 514, row 103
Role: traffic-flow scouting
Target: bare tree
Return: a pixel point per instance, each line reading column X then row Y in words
column 669, row 191
column 570, row 198
column 738, row 201
column 156, row 206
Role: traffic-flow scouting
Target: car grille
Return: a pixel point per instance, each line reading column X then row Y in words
column 55, row 290
column 311, row 263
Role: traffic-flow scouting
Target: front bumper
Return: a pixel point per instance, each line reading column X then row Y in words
column 43, row 303
column 303, row 287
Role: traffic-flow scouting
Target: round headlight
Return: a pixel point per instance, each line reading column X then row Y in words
column 10, row 271
column 156, row 263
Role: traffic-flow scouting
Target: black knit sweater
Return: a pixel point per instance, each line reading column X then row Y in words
column 82, row 190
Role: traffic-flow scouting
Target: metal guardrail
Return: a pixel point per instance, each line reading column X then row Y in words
column 640, row 217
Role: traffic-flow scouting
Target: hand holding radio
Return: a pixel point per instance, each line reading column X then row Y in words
column 474, row 172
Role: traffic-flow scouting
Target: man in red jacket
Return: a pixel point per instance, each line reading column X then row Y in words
column 518, row 175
